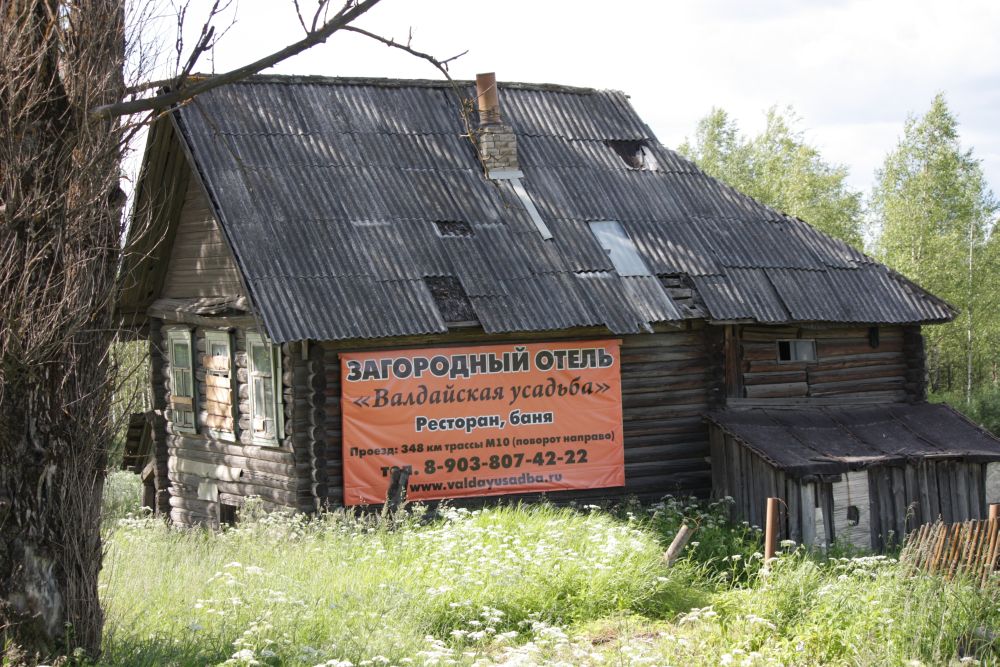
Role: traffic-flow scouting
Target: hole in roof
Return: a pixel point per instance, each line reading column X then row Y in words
column 633, row 153
column 616, row 242
column 454, row 228
column 451, row 300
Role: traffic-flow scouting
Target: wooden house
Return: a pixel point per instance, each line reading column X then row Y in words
column 299, row 237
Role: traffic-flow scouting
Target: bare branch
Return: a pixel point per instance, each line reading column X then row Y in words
column 298, row 13
column 441, row 65
column 350, row 12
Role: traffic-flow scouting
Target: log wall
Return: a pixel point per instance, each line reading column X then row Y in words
column 669, row 379
column 220, row 464
column 158, row 381
column 847, row 365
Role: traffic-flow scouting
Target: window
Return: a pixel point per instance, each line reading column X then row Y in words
column 264, row 376
column 219, row 399
column 634, row 153
column 612, row 237
column 459, row 228
column 182, row 400
column 796, row 350
column 873, row 337
column 451, row 300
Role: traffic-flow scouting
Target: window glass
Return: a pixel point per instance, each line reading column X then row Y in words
column 182, row 354
column 625, row 258
column 265, row 390
column 221, row 399
column 182, row 395
column 796, row 350
column 260, row 358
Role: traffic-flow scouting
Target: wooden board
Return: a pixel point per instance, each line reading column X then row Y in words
column 852, row 492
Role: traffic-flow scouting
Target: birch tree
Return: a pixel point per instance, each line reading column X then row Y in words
column 780, row 169
column 933, row 210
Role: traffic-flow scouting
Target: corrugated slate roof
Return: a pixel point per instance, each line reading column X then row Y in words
column 821, row 441
column 328, row 191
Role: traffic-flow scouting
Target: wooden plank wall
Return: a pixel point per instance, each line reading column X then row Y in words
column 903, row 499
column 892, row 501
column 669, row 379
column 853, row 491
column 206, row 471
column 200, row 262
column 749, row 480
column 847, row 366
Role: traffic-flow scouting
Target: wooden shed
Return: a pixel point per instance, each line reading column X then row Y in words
column 315, row 260
column 866, row 476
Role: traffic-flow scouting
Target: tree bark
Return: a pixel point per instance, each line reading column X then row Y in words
column 60, row 225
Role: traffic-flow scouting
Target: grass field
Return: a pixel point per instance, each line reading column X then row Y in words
column 516, row 586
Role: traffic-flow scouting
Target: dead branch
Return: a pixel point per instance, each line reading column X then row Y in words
column 348, row 13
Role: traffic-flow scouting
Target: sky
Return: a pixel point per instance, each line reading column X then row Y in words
column 853, row 71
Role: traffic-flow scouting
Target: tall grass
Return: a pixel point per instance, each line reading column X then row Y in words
column 519, row 585
column 300, row 591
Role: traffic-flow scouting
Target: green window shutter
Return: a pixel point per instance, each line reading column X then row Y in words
column 183, row 398
column 264, row 376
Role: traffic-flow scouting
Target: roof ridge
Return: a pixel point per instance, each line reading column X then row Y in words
column 388, row 82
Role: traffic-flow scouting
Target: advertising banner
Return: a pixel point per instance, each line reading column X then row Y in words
column 482, row 420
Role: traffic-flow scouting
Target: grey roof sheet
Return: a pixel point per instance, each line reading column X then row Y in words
column 328, row 191
column 826, row 440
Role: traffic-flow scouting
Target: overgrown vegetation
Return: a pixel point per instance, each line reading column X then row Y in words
column 983, row 408
column 515, row 585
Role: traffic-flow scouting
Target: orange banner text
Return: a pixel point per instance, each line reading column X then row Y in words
column 483, row 420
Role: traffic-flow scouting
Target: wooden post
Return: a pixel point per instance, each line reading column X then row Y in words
column 395, row 495
column 678, row 544
column 771, row 530
column 994, row 511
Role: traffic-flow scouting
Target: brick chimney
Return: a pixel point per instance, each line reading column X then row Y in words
column 497, row 143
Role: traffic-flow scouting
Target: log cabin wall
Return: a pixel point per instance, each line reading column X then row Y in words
column 868, row 363
column 669, row 379
column 305, row 382
column 213, row 471
column 158, row 382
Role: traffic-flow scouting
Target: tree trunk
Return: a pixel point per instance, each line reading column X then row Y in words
column 60, row 225
column 970, row 312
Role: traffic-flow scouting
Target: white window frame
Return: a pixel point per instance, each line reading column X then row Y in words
column 216, row 337
column 253, row 373
column 795, row 349
column 180, row 404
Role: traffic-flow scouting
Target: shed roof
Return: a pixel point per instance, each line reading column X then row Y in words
column 328, row 191
column 830, row 440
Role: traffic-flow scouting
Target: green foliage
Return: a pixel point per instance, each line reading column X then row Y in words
column 121, row 497
column 780, row 169
column 298, row 591
column 933, row 216
column 131, row 389
column 519, row 585
column 984, row 408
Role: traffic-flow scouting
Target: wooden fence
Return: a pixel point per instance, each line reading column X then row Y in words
column 968, row 549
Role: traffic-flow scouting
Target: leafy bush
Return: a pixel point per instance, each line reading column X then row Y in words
column 122, row 496
column 532, row 585
column 984, row 408
column 294, row 590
